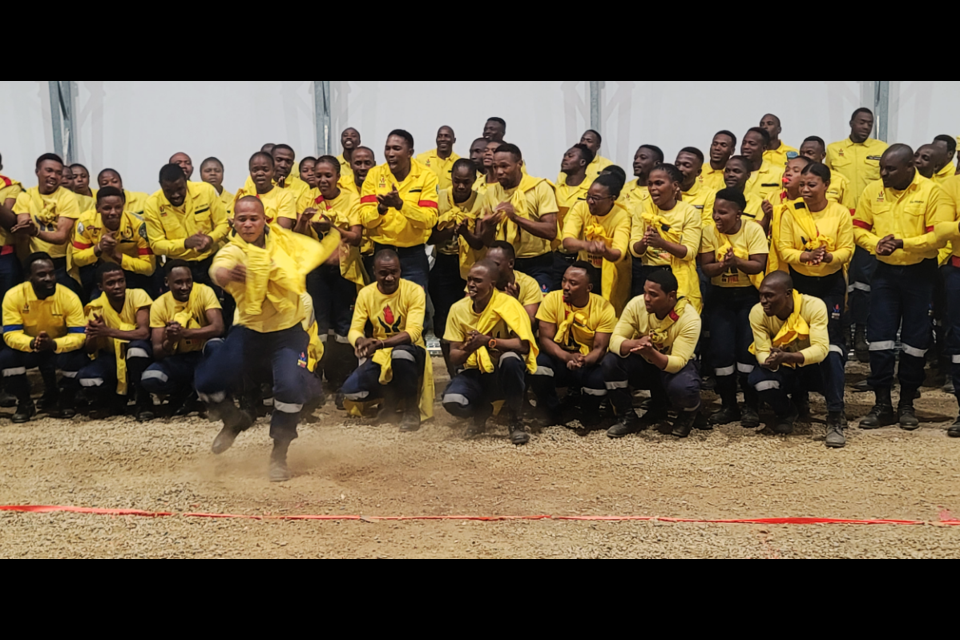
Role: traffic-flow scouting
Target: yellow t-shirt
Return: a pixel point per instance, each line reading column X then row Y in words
column 414, row 222
column 568, row 196
column 166, row 308
column 597, row 317
column 533, row 200
column 134, row 203
column 46, row 210
column 451, row 214
column 683, row 219
column 400, row 312
column 277, row 203
column 833, row 223
column 859, row 162
column 440, row 167
column 9, row 190
column 766, row 180
column 750, row 239
column 530, row 291
column 463, row 319
column 613, row 229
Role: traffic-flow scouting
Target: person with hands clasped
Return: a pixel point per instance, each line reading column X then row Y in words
column 896, row 218
column 43, row 327
column 575, row 329
column 652, row 348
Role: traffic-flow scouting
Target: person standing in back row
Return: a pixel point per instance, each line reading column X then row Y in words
column 441, row 159
column 777, row 152
column 896, row 218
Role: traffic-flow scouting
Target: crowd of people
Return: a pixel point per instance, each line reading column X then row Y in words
column 748, row 269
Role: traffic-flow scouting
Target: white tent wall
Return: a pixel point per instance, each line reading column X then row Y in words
column 27, row 132
column 537, row 113
column 135, row 126
column 920, row 110
column 673, row 115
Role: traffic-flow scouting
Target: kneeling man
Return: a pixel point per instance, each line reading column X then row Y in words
column 651, row 348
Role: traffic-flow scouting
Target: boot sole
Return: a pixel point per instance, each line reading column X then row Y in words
column 909, row 427
column 836, row 445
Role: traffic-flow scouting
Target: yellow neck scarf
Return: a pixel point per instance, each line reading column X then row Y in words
column 726, row 246
column 508, row 230
column 103, row 307
column 659, row 335
column 46, row 211
column 794, row 329
column 503, row 307
column 451, row 218
column 575, row 324
column 812, row 238
column 685, row 271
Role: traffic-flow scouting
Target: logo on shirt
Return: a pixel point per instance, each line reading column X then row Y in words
column 388, row 322
column 835, row 314
column 143, row 231
column 383, row 182
column 880, row 198
column 302, row 360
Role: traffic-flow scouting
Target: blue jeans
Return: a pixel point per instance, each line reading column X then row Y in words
column 900, row 299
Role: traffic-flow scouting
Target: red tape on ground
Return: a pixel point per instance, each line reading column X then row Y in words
column 769, row 521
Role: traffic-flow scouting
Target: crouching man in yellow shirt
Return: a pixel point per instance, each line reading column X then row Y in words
column 575, row 329
column 43, row 328
column 264, row 268
column 791, row 340
column 394, row 365
column 651, row 348
column 493, row 347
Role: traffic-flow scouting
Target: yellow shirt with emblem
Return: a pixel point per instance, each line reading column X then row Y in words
column 750, row 239
column 781, row 155
column 911, row 215
column 682, row 335
column 277, row 203
column 60, row 315
column 166, row 308
column 712, row 178
column 539, row 200
column 440, row 167
column 814, row 348
column 168, row 227
column 402, row 311
column 413, row 223
column 768, row 179
column 132, row 246
column 833, row 223
column 598, row 316
column 634, row 195
column 135, row 300
column 839, row 191
column 859, row 162
column 297, row 187
column 702, row 198
column 45, row 211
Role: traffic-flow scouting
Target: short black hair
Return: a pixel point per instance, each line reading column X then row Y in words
column 400, row 133
column 594, row 132
column 818, row 169
column 820, row 141
column 309, row 159
column 657, row 151
column 593, row 274
column 105, row 268
column 108, row 192
column 734, row 196
column 760, row 132
column 211, row 159
column 285, row 147
column 506, row 247
column 106, row 171
column 512, row 149
column 616, row 170
column 612, row 182
column 859, row 111
column 664, row 278
column 950, row 141
column 49, row 156
column 729, row 134
column 585, row 152
column 501, row 121
column 176, row 264
column 744, row 160
column 77, row 165
column 262, row 154
column 463, row 163
column 386, row 254
column 171, row 173
column 332, row 161
column 671, row 170
column 36, row 257
column 694, row 152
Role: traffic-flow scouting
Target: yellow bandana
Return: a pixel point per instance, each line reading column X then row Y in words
column 575, row 324
column 112, row 319
column 507, row 229
column 516, row 319
column 794, row 329
column 659, row 335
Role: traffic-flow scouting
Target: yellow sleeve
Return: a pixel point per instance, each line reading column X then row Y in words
column 145, row 263
column 608, row 318
column 761, row 337
column 626, row 328
column 360, row 316
column 847, row 199
column 708, row 241
column 76, row 325
column 548, row 308
column 353, row 214
column 218, row 216
column 141, row 298
column 305, row 201
column 159, row 315
column 845, row 245
column 573, row 223
column 692, row 233
column 948, row 232
column 370, row 216
column 637, row 226
column 546, row 200
column 416, row 309
column 69, row 207
column 455, row 329
column 22, row 205
column 939, row 209
column 157, row 237
column 786, row 244
column 621, row 238
column 209, row 298
column 286, row 204
column 685, row 343
column 13, row 333
column 708, row 205
column 863, row 224
column 82, row 246
column 424, row 213
column 819, row 336
column 757, row 242
column 530, row 293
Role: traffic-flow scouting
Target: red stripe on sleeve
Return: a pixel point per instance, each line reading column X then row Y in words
column 428, row 204
column 853, row 212
column 144, row 251
column 863, row 225
column 929, row 229
column 368, row 199
column 80, row 246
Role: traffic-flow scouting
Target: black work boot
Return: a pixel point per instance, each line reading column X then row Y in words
column 145, row 412
column 906, row 414
column 861, row 348
column 66, row 404
column 25, row 410
column 882, row 413
column 684, row 424
column 836, row 424
column 627, row 423
column 410, row 422
column 954, row 431
column 728, row 413
column 478, row 424
column 518, row 433
column 750, row 418
column 784, row 425
column 590, row 415
column 235, row 422
column 278, row 462
column 7, row 399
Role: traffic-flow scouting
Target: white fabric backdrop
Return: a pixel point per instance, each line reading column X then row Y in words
column 26, row 132
column 920, row 110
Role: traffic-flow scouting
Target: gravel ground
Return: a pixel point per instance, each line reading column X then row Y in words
column 349, row 466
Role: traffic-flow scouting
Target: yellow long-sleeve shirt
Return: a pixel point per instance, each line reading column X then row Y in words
column 859, row 162
column 201, row 212
column 135, row 252
column 402, row 311
column 947, row 233
column 814, row 349
column 840, row 192
column 766, row 180
column 702, row 198
column 413, row 223
column 25, row 316
column 947, row 172
column 442, row 168
column 135, row 202
column 910, row 215
column 834, row 223
column 781, row 155
column 682, row 335
column 712, row 178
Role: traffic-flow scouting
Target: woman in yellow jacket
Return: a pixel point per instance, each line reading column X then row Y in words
column 816, row 242
column 780, row 201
